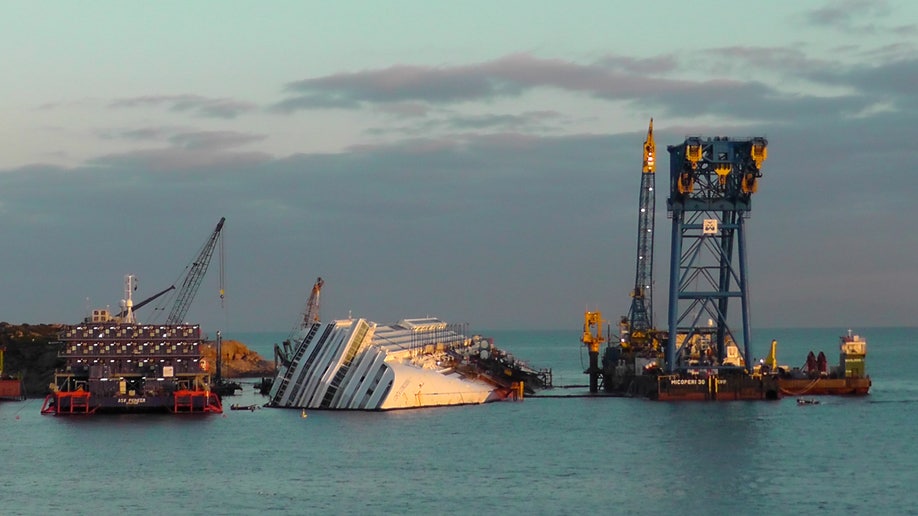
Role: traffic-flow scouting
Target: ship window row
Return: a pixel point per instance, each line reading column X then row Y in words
column 133, row 332
column 143, row 360
column 132, row 348
column 106, row 367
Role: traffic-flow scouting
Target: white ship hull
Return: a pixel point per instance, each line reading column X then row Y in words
column 356, row 364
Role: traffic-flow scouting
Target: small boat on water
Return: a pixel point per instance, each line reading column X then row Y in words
column 251, row 408
column 804, row 401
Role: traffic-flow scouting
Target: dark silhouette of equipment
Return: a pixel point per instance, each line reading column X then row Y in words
column 310, row 316
column 193, row 278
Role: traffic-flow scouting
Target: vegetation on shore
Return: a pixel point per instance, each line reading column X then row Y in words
column 30, row 353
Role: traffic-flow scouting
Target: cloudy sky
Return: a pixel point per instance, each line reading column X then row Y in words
column 476, row 160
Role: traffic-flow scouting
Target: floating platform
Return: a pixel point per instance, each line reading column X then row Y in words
column 179, row 402
column 818, row 378
column 127, row 367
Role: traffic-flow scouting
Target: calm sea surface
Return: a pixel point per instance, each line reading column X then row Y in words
column 539, row 456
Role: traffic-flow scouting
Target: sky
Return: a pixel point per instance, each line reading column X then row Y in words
column 477, row 161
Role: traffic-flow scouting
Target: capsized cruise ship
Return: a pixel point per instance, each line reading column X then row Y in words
column 356, row 364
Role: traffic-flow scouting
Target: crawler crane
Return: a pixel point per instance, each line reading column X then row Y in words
column 637, row 347
column 637, row 330
column 311, row 316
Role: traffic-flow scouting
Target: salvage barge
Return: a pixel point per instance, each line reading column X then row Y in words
column 816, row 377
column 125, row 367
column 632, row 368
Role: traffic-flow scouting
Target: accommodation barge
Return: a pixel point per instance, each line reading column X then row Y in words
column 112, row 366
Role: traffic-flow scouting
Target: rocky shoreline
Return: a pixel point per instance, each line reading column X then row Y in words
column 238, row 360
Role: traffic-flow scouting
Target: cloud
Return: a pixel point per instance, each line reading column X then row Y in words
column 502, row 229
column 195, row 104
column 893, row 80
column 187, row 150
column 211, row 140
column 405, row 109
column 451, row 122
column 785, row 60
column 505, row 77
column 650, row 65
column 159, row 133
column 177, row 159
column 613, row 79
column 865, row 17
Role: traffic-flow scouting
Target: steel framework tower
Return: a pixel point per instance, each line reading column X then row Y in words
column 711, row 185
column 640, row 316
column 196, row 271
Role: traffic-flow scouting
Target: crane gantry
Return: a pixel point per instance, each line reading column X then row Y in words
column 711, row 185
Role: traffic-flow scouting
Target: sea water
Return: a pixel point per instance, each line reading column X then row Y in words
column 540, row 456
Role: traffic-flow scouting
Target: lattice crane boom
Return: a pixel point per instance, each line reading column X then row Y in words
column 195, row 275
column 311, row 313
column 641, row 312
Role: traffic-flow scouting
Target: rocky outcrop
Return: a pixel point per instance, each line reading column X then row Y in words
column 238, row 360
column 30, row 352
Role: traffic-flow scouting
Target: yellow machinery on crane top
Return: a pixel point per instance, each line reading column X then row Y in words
column 592, row 338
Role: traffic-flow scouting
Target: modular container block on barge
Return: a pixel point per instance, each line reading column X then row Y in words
column 113, row 366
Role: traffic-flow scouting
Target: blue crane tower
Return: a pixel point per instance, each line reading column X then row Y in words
column 711, row 185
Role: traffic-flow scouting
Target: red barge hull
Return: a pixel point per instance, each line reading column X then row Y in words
column 716, row 388
column 180, row 402
column 824, row 386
